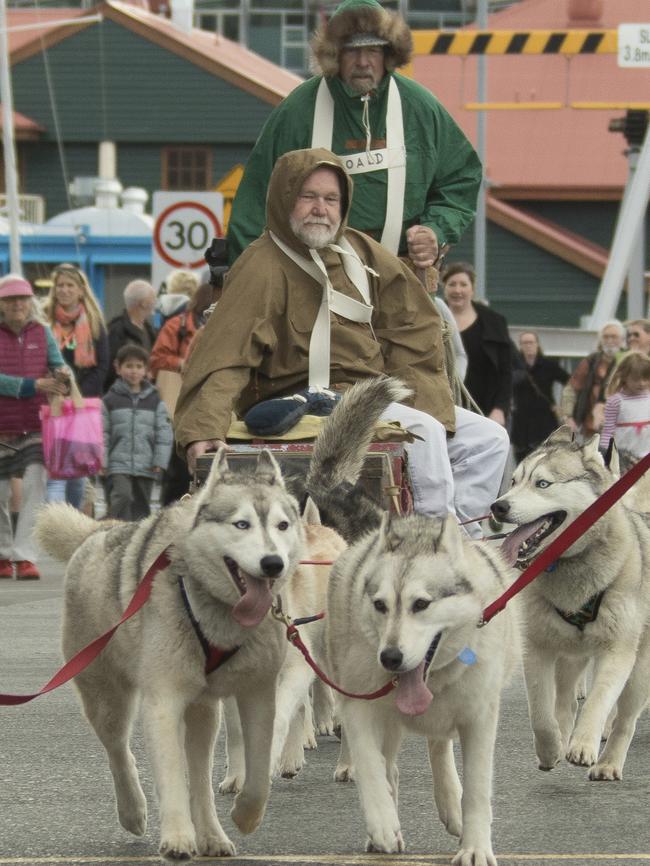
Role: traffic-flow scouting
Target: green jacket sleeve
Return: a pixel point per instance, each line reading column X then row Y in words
column 451, row 198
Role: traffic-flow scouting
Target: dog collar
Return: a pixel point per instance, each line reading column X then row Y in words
column 214, row 656
column 586, row 614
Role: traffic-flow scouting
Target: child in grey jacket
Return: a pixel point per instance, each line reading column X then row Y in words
column 138, row 436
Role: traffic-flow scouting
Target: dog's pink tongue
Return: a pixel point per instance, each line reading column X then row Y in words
column 510, row 547
column 413, row 697
column 253, row 606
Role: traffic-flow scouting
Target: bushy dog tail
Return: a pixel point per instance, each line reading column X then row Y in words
column 339, row 453
column 60, row 529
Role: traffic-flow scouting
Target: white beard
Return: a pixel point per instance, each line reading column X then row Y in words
column 314, row 235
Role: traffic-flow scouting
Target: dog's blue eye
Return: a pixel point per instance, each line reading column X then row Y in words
column 242, row 524
column 283, row 525
column 542, row 483
column 420, row 604
column 380, row 606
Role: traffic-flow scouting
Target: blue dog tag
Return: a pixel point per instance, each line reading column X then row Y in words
column 467, row 656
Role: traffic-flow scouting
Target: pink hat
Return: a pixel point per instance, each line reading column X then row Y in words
column 13, row 286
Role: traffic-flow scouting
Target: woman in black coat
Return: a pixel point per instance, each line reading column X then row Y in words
column 533, row 417
column 486, row 340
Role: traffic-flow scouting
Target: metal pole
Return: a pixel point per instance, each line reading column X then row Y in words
column 636, row 271
column 633, row 208
column 9, row 153
column 481, row 130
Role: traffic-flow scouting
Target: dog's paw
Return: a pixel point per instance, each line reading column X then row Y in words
column 386, row 842
column 247, row 813
column 325, row 728
column 231, row 785
column 604, row 772
column 135, row 821
column 214, row 845
column 309, row 741
column 548, row 748
column 452, row 818
column 343, row 773
column 474, row 857
column 178, row 846
column 582, row 754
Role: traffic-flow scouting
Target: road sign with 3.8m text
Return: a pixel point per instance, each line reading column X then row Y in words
column 634, row 45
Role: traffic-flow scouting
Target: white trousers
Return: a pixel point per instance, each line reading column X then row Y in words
column 460, row 475
column 21, row 545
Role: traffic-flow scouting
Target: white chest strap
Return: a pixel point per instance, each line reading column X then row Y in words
column 392, row 157
column 331, row 301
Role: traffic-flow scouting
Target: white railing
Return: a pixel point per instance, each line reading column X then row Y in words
column 560, row 342
column 32, row 208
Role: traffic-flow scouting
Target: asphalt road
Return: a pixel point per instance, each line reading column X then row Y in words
column 56, row 800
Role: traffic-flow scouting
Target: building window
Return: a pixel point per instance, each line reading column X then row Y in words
column 186, row 168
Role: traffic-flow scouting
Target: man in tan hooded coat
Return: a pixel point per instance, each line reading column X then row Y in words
column 266, row 339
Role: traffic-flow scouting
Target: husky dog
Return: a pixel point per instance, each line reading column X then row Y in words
column 592, row 604
column 404, row 601
column 233, row 547
column 305, row 594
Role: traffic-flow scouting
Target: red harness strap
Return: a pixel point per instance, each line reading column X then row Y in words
column 294, row 637
column 569, row 536
column 85, row 656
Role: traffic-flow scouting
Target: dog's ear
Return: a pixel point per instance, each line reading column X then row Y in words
column 310, row 513
column 591, row 451
column 450, row 540
column 268, row 468
column 612, row 460
column 387, row 540
column 564, row 435
column 217, row 471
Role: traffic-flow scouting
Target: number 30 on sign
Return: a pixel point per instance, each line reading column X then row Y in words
column 185, row 224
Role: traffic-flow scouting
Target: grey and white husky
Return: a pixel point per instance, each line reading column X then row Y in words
column 404, row 601
column 233, row 547
column 592, row 604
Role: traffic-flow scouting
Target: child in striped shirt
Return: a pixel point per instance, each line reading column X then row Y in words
column 627, row 411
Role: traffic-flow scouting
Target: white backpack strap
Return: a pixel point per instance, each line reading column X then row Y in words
column 323, row 129
column 331, row 300
column 396, row 173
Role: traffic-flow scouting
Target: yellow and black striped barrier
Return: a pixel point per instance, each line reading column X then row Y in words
column 463, row 42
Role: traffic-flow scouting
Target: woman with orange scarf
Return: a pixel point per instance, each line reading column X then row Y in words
column 77, row 323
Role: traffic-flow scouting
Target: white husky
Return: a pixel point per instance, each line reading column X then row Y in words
column 404, row 601
column 233, row 546
column 592, row 604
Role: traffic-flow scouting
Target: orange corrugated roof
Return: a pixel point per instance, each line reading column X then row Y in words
column 22, row 123
column 557, row 153
column 227, row 56
column 21, row 17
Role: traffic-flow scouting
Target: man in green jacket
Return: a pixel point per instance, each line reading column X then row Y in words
column 416, row 175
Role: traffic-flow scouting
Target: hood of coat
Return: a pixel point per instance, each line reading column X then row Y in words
column 289, row 173
column 120, row 387
column 360, row 16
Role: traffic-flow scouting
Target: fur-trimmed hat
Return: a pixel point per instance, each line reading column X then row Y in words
column 356, row 17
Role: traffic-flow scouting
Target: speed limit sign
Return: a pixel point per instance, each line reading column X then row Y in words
column 185, row 223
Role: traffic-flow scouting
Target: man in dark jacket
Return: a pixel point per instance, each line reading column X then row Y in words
column 133, row 324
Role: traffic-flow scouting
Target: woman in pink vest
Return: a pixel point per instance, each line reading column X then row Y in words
column 29, row 359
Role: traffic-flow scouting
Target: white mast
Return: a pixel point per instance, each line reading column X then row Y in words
column 9, row 152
